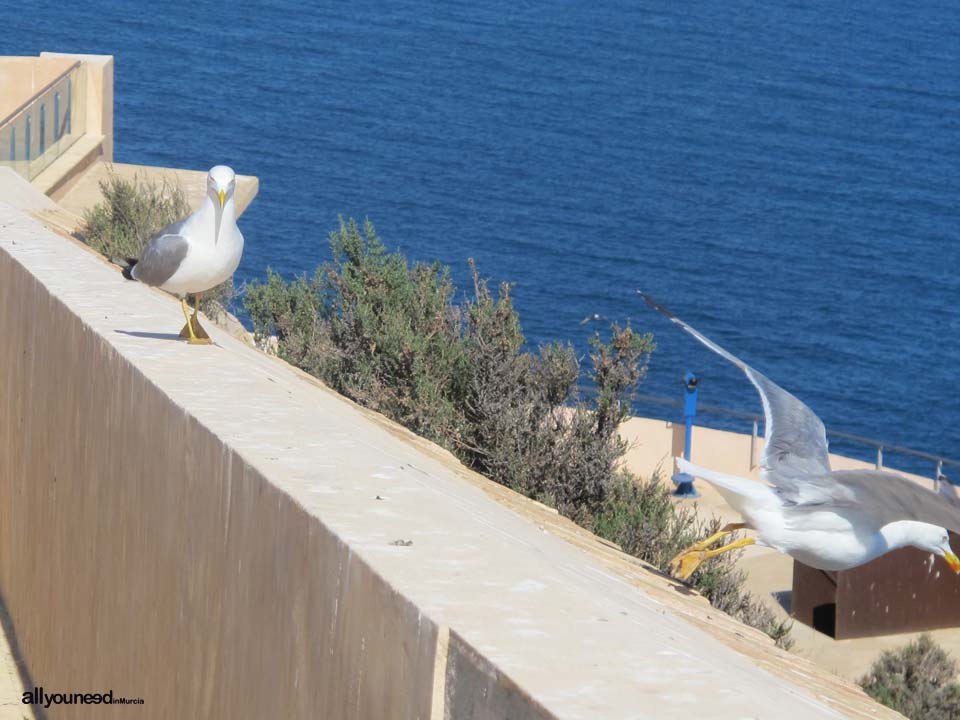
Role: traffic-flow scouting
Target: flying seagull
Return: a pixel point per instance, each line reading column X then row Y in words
column 827, row 519
column 197, row 253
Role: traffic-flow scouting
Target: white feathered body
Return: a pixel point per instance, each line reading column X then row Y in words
column 823, row 539
column 208, row 263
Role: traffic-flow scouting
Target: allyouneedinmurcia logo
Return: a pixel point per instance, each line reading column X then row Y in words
column 38, row 696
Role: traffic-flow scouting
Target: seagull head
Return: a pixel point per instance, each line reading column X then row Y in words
column 937, row 540
column 221, row 182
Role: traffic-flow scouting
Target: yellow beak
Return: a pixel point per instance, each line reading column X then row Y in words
column 953, row 561
column 223, row 195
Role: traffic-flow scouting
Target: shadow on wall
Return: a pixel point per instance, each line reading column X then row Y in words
column 26, row 681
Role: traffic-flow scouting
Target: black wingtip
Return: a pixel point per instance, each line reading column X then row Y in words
column 655, row 305
column 128, row 266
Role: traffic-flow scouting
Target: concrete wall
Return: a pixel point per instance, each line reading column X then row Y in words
column 98, row 87
column 23, row 77
column 202, row 527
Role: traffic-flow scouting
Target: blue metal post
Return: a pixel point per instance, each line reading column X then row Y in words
column 684, row 481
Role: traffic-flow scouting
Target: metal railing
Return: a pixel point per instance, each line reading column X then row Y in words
column 45, row 124
column 879, row 446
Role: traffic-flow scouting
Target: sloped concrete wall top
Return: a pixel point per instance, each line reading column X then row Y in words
column 202, row 528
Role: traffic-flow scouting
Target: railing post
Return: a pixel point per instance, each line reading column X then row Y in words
column 684, row 481
column 938, row 475
column 753, row 446
column 880, row 457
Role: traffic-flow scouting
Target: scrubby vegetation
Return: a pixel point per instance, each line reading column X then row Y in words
column 133, row 212
column 917, row 680
column 394, row 337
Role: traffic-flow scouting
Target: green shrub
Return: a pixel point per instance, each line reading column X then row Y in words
column 917, row 680
column 133, row 212
column 391, row 336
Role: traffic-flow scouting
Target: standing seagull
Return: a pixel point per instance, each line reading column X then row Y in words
column 827, row 519
column 197, row 253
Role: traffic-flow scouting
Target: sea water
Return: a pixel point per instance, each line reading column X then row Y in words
column 783, row 176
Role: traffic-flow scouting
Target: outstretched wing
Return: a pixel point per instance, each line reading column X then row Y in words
column 884, row 497
column 796, row 442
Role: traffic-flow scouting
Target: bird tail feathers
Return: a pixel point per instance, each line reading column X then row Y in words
column 127, row 264
column 736, row 491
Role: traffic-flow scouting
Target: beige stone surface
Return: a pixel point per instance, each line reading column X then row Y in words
column 98, row 83
column 23, row 77
column 18, row 192
column 70, row 165
column 203, row 527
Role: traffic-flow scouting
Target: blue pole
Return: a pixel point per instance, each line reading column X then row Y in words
column 684, row 481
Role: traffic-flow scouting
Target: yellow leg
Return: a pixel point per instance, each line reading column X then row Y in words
column 187, row 331
column 192, row 331
column 690, row 561
column 722, row 532
column 706, row 542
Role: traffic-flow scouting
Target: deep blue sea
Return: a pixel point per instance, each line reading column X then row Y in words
column 784, row 176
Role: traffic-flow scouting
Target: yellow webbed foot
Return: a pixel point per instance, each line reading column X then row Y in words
column 193, row 331
column 198, row 336
column 686, row 563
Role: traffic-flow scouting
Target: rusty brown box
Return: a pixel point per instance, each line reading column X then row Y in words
column 898, row 592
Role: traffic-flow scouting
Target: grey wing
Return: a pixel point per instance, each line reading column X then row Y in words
column 160, row 259
column 886, row 497
column 796, row 441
